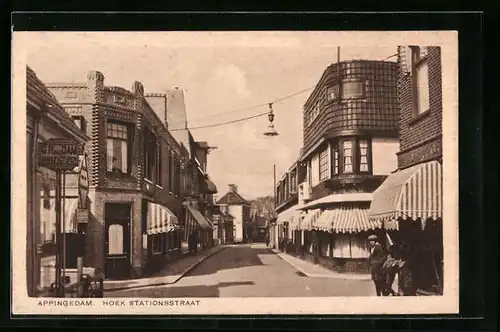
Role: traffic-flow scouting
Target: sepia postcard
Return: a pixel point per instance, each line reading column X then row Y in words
column 277, row 172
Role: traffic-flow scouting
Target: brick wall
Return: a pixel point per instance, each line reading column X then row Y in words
column 414, row 131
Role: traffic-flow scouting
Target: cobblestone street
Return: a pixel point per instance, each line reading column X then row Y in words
column 250, row 271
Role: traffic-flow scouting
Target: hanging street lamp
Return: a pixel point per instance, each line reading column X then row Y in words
column 270, row 129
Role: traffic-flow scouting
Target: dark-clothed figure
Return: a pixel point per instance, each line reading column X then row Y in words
column 376, row 260
column 406, row 283
column 391, row 267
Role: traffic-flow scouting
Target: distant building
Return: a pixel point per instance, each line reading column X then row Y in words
column 239, row 209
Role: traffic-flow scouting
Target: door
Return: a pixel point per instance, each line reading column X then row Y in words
column 117, row 241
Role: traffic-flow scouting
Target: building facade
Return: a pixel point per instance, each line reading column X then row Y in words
column 196, row 186
column 45, row 119
column 235, row 205
column 349, row 148
column 410, row 202
column 134, row 167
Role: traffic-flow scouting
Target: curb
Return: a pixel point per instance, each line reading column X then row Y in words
column 325, row 276
column 180, row 276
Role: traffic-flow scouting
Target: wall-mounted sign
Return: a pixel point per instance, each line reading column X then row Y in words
column 59, row 154
column 82, row 216
column 83, row 183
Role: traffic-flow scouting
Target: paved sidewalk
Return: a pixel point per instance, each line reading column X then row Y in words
column 317, row 271
column 169, row 275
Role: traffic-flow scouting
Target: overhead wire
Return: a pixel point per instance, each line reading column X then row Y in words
column 275, row 101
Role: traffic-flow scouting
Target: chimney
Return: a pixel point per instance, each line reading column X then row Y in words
column 176, row 109
column 233, row 188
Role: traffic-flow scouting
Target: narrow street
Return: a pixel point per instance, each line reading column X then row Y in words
column 250, row 271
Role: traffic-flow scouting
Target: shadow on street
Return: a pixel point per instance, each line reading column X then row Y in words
column 183, row 291
column 231, row 258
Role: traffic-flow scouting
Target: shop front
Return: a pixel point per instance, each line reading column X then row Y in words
column 198, row 229
column 162, row 236
column 409, row 205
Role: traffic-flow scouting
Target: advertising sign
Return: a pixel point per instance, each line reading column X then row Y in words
column 59, row 155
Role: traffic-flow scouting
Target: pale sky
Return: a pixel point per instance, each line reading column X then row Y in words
column 219, row 72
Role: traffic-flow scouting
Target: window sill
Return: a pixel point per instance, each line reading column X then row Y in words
column 419, row 117
column 148, row 181
column 158, row 186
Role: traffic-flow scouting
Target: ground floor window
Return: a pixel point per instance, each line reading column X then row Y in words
column 157, row 243
column 350, row 246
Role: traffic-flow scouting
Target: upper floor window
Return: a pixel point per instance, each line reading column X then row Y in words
column 347, row 153
column 80, row 123
column 363, row 156
column 352, row 89
column 335, row 160
column 314, row 112
column 118, row 144
column 150, row 149
column 332, row 92
column 420, row 80
column 323, row 165
column 159, row 168
column 293, row 181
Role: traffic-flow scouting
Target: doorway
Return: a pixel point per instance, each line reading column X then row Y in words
column 117, row 240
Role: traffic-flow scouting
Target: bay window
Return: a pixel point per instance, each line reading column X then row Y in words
column 118, row 143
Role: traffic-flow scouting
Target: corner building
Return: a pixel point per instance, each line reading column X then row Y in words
column 409, row 203
column 349, row 148
column 134, row 196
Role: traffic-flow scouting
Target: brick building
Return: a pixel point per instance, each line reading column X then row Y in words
column 410, row 202
column 134, row 167
column 349, row 148
column 197, row 189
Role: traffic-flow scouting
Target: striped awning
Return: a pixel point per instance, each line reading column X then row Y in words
column 412, row 193
column 160, row 219
column 68, row 211
column 200, row 219
column 346, row 218
column 287, row 215
column 309, row 219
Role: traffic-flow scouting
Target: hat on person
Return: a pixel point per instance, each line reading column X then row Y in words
column 372, row 237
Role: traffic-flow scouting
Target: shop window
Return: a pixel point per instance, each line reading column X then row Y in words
column 323, row 165
column 115, row 240
column 347, row 157
column 352, row 89
column 118, row 147
column 157, row 243
column 420, row 80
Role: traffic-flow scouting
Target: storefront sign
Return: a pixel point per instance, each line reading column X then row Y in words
column 59, row 155
column 82, row 216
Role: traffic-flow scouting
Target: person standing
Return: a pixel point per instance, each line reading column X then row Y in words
column 376, row 260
